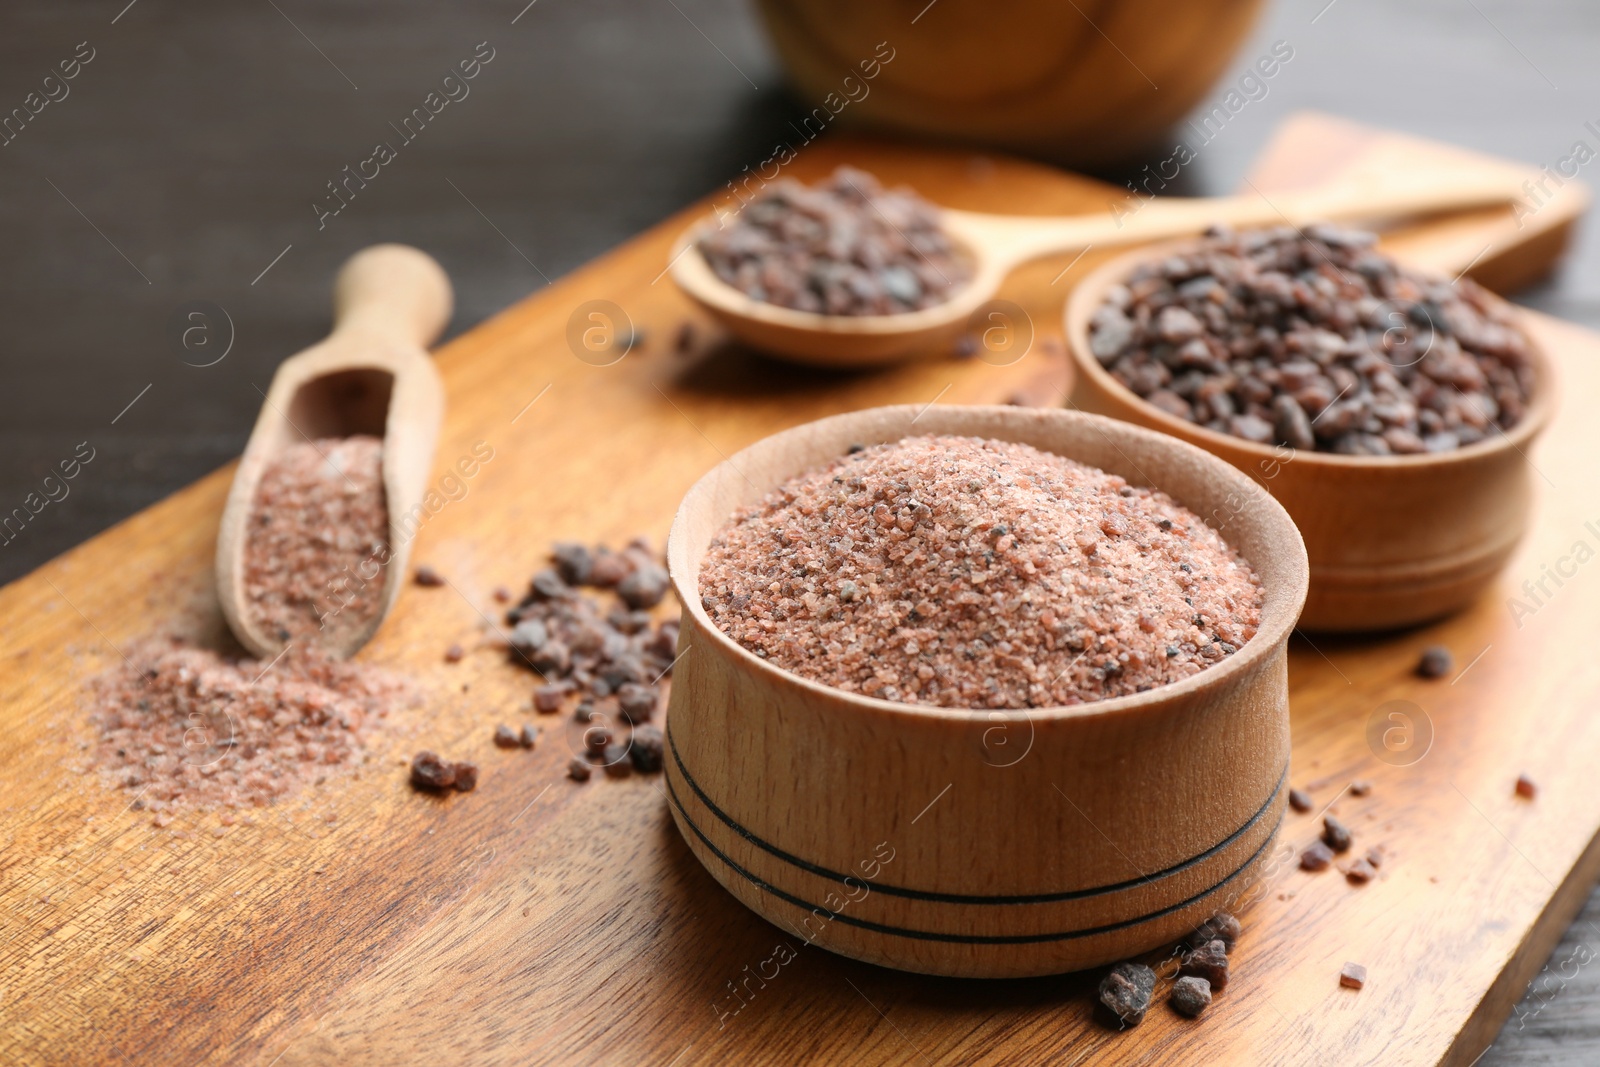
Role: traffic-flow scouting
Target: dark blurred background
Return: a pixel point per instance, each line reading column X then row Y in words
column 183, row 162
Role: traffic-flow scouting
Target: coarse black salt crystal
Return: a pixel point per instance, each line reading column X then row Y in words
column 616, row 761
column 466, row 777
column 1125, row 992
column 1220, row 927
column 1315, row 857
column 665, row 643
column 549, row 585
column 1525, row 787
column 1436, row 662
column 644, row 588
column 1190, row 996
column 608, row 568
column 553, row 657
column 453, row 654
column 1360, row 787
column 1209, row 961
column 636, row 702
column 1335, row 834
column 625, row 621
column 573, row 562
column 529, row 737
column 578, row 770
column 505, row 736
column 426, row 575
column 580, row 646
column 1352, row 976
column 1360, row 872
column 430, row 771
column 528, row 636
column 649, row 748
column 1299, row 800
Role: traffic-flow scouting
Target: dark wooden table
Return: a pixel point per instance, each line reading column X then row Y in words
column 179, row 170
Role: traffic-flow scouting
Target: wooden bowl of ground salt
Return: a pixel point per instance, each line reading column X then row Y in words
column 974, row 691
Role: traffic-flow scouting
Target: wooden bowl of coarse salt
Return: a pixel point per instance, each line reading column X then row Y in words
column 1393, row 539
column 892, row 757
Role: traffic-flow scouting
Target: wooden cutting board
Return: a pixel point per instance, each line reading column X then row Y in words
column 537, row 920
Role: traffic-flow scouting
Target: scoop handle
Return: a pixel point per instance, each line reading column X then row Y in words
column 395, row 291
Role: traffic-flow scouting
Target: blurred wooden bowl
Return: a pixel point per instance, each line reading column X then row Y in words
column 1030, row 75
column 974, row 842
column 1393, row 540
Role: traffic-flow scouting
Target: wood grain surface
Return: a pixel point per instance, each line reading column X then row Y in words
column 536, row 920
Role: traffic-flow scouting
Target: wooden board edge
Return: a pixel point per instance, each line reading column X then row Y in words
column 1493, row 1011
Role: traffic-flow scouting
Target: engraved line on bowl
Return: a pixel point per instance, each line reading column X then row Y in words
column 965, row 939
column 963, row 898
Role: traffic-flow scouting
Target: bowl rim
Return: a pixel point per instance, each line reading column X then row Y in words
column 1272, row 633
column 1086, row 297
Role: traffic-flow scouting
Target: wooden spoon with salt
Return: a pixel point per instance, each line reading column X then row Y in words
column 1384, row 185
column 371, row 376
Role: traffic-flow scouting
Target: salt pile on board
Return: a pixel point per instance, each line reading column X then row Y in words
column 185, row 727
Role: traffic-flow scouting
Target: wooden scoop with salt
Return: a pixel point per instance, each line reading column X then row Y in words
column 371, row 376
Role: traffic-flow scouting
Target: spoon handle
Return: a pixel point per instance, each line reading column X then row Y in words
column 1011, row 239
column 393, row 291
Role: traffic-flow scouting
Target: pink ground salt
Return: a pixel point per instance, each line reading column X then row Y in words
column 188, row 728
column 316, row 537
column 963, row 572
